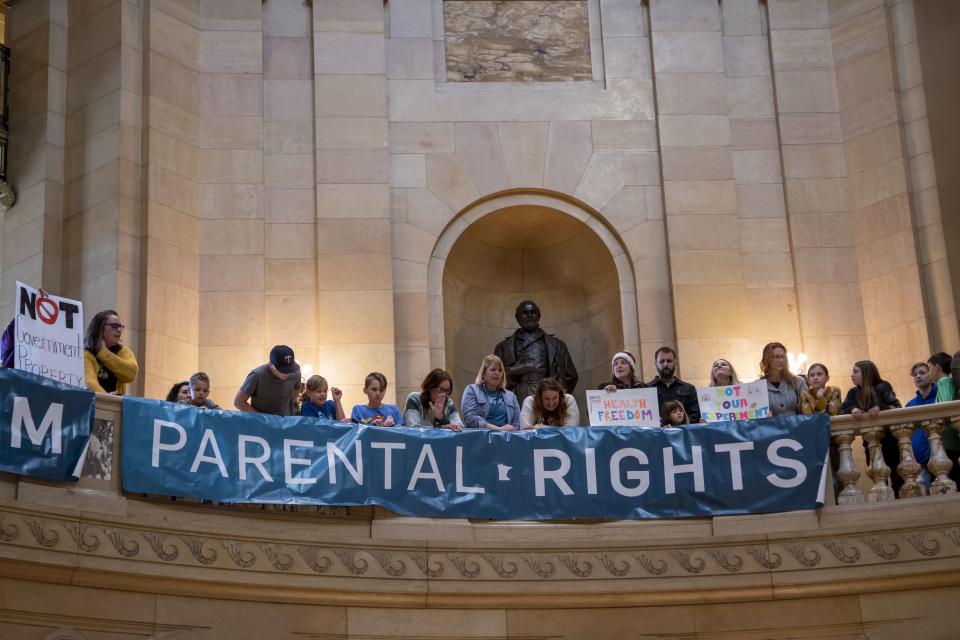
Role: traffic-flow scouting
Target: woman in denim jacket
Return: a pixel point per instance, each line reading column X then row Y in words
column 488, row 403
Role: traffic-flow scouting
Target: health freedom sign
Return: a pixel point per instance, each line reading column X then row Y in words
column 48, row 336
column 773, row 464
column 623, row 407
column 44, row 425
column 747, row 401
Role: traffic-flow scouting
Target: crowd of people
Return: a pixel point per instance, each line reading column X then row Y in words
column 490, row 402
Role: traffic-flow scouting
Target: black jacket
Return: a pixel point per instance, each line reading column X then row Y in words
column 886, row 398
column 619, row 385
column 679, row 390
column 559, row 363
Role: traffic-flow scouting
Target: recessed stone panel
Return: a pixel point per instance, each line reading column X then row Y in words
column 534, row 41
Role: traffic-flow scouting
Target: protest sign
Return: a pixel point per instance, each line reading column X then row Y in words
column 775, row 464
column 623, row 408
column 48, row 336
column 746, row 401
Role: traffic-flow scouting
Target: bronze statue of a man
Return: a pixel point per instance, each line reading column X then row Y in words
column 530, row 355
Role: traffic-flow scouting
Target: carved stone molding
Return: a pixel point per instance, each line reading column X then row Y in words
column 204, row 550
column 24, row 534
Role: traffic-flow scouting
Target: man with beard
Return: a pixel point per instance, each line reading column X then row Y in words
column 530, row 355
column 670, row 387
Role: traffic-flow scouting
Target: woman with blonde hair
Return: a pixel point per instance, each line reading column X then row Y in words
column 488, row 404
column 722, row 373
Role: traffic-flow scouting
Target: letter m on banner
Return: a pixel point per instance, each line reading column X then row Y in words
column 44, row 425
column 22, row 419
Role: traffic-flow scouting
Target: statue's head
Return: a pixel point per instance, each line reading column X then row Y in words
column 528, row 315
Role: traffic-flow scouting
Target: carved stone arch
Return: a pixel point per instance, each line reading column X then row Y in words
column 562, row 206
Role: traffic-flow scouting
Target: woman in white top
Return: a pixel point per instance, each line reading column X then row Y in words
column 550, row 406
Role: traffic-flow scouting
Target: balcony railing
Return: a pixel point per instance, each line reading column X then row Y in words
column 859, row 481
column 92, row 533
column 901, row 423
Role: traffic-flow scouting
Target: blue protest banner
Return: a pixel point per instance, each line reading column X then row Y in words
column 44, row 425
column 773, row 464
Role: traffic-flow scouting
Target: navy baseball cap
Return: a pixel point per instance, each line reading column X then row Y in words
column 281, row 357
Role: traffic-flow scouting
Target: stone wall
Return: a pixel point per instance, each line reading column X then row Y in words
column 928, row 52
column 230, row 175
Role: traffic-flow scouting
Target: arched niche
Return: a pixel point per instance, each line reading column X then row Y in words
column 536, row 246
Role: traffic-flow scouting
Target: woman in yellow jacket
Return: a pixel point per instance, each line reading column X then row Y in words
column 108, row 365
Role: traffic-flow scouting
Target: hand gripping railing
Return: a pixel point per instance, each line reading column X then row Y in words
column 901, row 423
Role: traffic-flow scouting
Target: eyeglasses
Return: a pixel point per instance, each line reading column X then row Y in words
column 116, row 326
column 446, row 390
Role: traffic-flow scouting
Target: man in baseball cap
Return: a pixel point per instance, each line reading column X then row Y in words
column 272, row 387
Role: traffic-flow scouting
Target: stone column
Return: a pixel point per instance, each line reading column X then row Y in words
column 354, row 240
column 636, row 210
column 822, row 230
column 172, row 234
column 290, row 268
column 102, row 196
column 231, row 195
column 768, row 271
column 923, row 185
column 32, row 228
column 706, row 265
column 876, row 162
column 414, row 51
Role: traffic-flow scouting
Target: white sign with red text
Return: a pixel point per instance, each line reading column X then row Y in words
column 48, row 336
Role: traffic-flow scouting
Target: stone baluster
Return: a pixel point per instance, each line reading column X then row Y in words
column 846, row 470
column 909, row 468
column 877, row 470
column 939, row 464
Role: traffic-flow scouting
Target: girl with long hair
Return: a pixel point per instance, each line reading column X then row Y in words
column 549, row 406
column 673, row 414
column 870, row 393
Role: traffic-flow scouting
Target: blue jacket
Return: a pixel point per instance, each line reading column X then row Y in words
column 921, row 444
column 474, row 407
